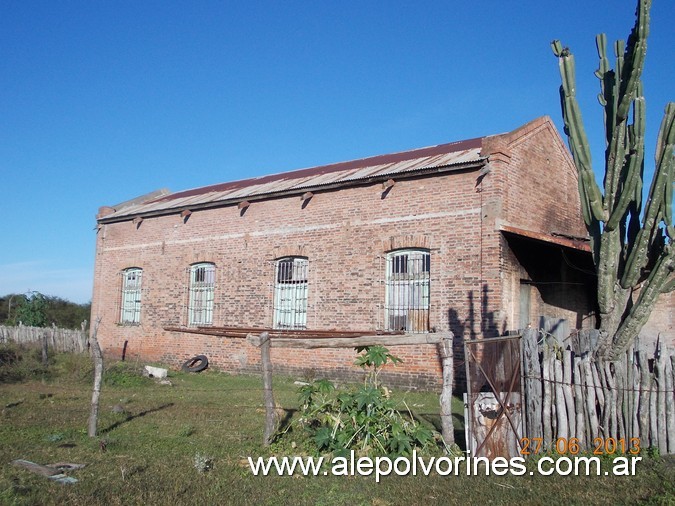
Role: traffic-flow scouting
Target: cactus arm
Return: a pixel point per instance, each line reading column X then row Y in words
column 636, row 51
column 657, row 207
column 660, row 278
column 665, row 150
column 635, row 207
column 615, row 128
column 636, row 134
column 615, row 160
column 627, row 87
column 578, row 140
column 607, row 79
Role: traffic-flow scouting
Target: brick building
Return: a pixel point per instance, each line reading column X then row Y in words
column 480, row 237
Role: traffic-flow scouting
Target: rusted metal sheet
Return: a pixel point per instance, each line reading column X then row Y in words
column 552, row 238
column 445, row 155
column 494, row 407
column 490, row 433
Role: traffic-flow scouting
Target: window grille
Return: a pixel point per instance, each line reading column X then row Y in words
column 131, row 296
column 407, row 291
column 290, row 293
column 202, row 289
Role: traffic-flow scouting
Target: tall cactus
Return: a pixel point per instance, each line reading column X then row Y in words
column 632, row 247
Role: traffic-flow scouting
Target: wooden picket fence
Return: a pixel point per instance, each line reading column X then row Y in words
column 599, row 406
column 60, row 340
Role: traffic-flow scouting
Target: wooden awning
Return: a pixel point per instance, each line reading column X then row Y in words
column 243, row 332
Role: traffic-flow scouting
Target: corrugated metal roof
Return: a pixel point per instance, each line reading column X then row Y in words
column 444, row 155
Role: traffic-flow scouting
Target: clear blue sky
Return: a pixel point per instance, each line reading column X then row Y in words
column 103, row 101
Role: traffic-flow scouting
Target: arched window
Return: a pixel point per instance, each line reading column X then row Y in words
column 130, row 313
column 407, row 290
column 290, row 293
column 202, row 288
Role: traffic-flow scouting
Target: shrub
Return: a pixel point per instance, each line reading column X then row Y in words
column 365, row 418
column 19, row 362
column 75, row 366
column 124, row 374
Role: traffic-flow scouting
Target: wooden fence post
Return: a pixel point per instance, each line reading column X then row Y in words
column 579, row 404
column 589, row 390
column 45, row 345
column 268, row 395
column 661, row 421
column 547, row 401
column 53, row 340
column 562, row 425
column 533, row 384
column 670, row 409
column 645, row 391
column 568, row 392
column 447, row 427
column 98, row 376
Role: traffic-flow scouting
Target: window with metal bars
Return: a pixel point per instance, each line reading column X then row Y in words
column 130, row 313
column 290, row 293
column 202, row 289
column 407, row 290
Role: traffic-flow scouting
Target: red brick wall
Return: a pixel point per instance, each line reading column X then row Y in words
column 541, row 191
column 537, row 192
column 345, row 234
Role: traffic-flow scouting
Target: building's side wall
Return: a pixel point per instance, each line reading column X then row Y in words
column 345, row 234
column 542, row 193
column 538, row 192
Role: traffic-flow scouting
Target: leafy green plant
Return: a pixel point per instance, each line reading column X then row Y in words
column 31, row 310
column 372, row 359
column 124, row 374
column 364, row 419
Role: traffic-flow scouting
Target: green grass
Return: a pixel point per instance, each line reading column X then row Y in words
column 150, row 448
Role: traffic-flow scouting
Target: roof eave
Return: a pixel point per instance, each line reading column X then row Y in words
column 579, row 244
column 471, row 165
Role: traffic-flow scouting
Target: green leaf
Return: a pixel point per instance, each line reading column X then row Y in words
column 422, row 435
column 400, row 444
column 324, row 386
column 367, row 396
column 323, row 437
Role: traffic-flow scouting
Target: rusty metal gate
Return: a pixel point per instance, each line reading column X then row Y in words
column 494, row 400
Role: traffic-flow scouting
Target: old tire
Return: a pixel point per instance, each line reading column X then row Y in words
column 196, row 364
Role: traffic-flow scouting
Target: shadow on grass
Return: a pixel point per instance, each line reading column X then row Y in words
column 133, row 417
column 457, row 421
column 286, row 420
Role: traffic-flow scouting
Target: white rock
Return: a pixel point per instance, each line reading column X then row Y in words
column 154, row 372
